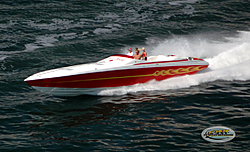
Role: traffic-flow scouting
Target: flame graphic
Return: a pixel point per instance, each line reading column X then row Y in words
column 179, row 71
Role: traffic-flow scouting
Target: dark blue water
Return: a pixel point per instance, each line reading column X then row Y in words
column 37, row 35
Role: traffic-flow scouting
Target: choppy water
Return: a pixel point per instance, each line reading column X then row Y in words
column 37, row 35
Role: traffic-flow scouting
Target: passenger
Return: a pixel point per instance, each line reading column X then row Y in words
column 144, row 54
column 136, row 49
column 137, row 55
column 130, row 53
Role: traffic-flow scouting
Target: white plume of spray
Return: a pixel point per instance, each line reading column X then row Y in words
column 229, row 60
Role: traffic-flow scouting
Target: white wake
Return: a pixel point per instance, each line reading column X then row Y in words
column 229, row 60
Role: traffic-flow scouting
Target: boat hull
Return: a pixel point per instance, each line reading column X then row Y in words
column 88, row 83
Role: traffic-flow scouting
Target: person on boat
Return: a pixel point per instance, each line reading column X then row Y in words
column 130, row 53
column 136, row 49
column 144, row 54
column 137, row 55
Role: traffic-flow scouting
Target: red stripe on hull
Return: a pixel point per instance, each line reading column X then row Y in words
column 123, row 55
column 117, row 78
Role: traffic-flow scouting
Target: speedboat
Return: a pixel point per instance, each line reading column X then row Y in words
column 113, row 72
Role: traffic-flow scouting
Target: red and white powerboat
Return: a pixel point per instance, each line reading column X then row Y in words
column 115, row 71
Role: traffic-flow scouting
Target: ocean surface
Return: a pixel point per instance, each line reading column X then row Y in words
column 170, row 115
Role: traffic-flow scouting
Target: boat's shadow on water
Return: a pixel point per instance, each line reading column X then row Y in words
column 92, row 100
column 74, row 111
column 88, row 109
column 83, row 101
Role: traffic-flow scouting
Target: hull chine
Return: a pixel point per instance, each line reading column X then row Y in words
column 69, row 92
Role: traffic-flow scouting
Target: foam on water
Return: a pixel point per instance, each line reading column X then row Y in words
column 48, row 40
column 188, row 9
column 229, row 61
column 179, row 3
column 57, row 24
column 41, row 41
